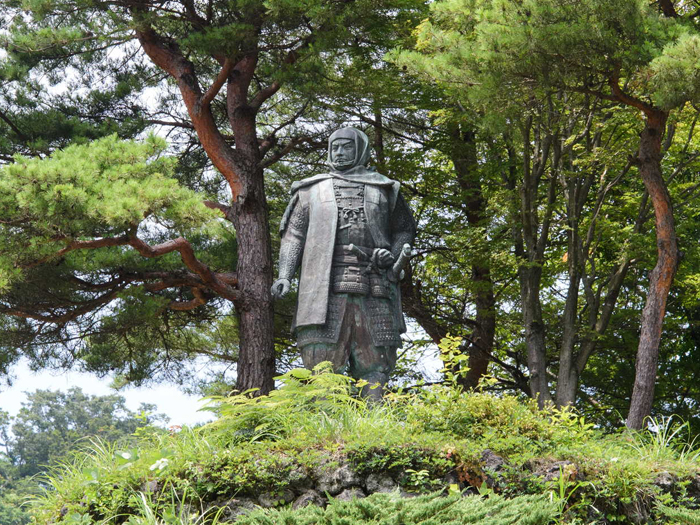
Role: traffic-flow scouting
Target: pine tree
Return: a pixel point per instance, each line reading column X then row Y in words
column 234, row 78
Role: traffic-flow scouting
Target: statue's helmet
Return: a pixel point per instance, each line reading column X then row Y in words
column 361, row 145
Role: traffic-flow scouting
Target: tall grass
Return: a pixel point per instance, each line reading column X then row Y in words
column 318, row 404
column 667, row 438
column 258, row 444
column 178, row 511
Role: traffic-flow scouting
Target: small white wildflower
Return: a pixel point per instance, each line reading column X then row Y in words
column 614, row 460
column 160, row 464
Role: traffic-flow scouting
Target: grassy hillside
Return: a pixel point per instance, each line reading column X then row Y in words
column 470, row 454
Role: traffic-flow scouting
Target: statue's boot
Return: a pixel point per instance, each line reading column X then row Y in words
column 374, row 390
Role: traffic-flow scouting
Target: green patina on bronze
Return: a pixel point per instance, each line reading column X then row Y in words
column 350, row 231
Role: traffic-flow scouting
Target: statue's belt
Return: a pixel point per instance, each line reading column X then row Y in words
column 354, row 274
column 343, row 255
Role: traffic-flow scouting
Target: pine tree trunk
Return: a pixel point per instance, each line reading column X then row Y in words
column 256, row 359
column 662, row 275
column 241, row 167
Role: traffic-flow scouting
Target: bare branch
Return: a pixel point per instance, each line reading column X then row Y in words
column 220, row 80
column 226, row 210
column 174, row 124
column 192, row 15
column 199, row 300
column 81, row 245
column 271, row 139
column 291, row 58
column 221, row 283
column 681, row 166
column 166, row 54
column 13, row 126
column 66, row 317
column 623, row 97
column 283, row 152
column 265, row 93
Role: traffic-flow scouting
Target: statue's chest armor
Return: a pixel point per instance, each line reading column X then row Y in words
column 352, row 219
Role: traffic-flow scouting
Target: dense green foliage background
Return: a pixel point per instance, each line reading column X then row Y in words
column 517, row 153
column 515, row 127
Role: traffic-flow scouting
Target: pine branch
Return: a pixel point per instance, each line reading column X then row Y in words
column 182, row 245
column 226, row 210
column 218, row 83
column 66, row 317
column 221, row 283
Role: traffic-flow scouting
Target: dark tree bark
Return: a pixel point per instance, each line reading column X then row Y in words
column 379, row 140
column 567, row 378
column 668, row 8
column 661, row 278
column 530, row 283
column 479, row 345
column 249, row 214
column 530, row 241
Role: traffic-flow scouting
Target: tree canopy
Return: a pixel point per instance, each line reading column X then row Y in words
column 548, row 149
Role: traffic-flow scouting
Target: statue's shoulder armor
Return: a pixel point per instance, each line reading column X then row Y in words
column 308, row 182
column 374, row 177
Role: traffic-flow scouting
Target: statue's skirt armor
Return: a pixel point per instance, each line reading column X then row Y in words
column 353, row 344
column 378, row 315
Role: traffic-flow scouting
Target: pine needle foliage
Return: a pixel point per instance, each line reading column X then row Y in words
column 100, row 190
column 678, row 516
column 75, row 286
column 429, row 509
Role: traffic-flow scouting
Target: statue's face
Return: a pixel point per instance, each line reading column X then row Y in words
column 343, row 153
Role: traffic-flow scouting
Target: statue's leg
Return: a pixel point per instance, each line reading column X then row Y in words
column 372, row 363
column 337, row 353
column 316, row 353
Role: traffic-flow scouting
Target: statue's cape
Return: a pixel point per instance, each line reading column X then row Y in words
column 317, row 196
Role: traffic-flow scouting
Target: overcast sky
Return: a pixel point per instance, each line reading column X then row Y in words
column 181, row 408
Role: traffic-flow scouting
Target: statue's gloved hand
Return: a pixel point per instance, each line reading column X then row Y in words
column 383, row 258
column 280, row 288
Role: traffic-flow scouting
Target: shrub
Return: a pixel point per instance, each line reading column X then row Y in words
column 429, row 509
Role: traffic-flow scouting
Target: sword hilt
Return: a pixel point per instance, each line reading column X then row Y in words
column 395, row 274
